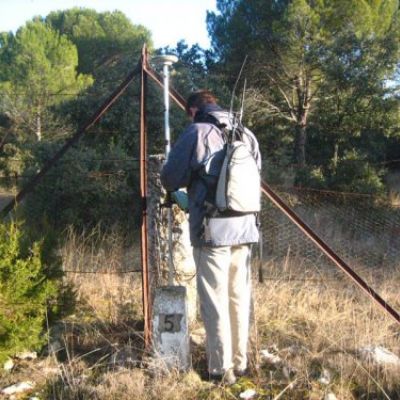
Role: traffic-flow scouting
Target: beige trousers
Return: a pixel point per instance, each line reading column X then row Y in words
column 224, row 288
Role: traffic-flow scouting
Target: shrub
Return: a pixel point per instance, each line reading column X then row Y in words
column 311, row 177
column 27, row 287
column 358, row 176
column 352, row 173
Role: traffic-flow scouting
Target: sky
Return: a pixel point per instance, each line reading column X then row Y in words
column 168, row 20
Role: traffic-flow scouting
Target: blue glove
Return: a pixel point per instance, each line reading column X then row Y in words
column 181, row 199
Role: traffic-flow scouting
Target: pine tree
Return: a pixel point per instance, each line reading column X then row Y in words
column 25, row 292
column 38, row 70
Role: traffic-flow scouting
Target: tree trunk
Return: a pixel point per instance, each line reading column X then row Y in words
column 303, row 98
column 38, row 127
column 335, row 155
column 300, row 145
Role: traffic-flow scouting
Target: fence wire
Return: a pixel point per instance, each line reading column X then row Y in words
column 363, row 230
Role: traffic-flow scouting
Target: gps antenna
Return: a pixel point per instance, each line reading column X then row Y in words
column 235, row 86
column 242, row 102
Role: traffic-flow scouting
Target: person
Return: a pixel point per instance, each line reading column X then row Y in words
column 222, row 252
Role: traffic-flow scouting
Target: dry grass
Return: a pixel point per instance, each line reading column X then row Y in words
column 101, row 269
column 309, row 316
column 318, row 321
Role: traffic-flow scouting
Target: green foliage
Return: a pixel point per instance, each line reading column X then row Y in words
column 192, row 69
column 85, row 188
column 281, row 40
column 190, row 73
column 102, row 39
column 351, row 173
column 319, row 67
column 320, row 83
column 38, row 66
column 109, row 47
column 27, row 287
column 311, row 177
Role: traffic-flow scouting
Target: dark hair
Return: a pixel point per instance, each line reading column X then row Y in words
column 199, row 99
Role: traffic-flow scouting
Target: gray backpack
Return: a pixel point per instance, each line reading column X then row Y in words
column 239, row 182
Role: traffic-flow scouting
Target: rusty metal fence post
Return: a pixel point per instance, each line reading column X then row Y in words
column 146, row 297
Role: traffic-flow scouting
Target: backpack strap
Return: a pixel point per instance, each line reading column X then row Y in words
column 228, row 135
column 208, row 118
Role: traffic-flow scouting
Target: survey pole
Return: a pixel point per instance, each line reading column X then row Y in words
column 166, row 61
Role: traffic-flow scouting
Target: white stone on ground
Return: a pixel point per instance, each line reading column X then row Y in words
column 8, row 365
column 379, row 354
column 248, row 394
column 325, row 377
column 18, row 388
column 26, row 355
column 270, row 357
column 330, row 396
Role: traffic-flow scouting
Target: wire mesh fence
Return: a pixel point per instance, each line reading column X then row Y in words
column 82, row 189
column 363, row 230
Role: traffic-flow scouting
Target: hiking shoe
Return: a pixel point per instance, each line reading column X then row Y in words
column 228, row 378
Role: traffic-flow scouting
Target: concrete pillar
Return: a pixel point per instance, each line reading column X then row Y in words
column 171, row 340
column 169, row 335
column 185, row 271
